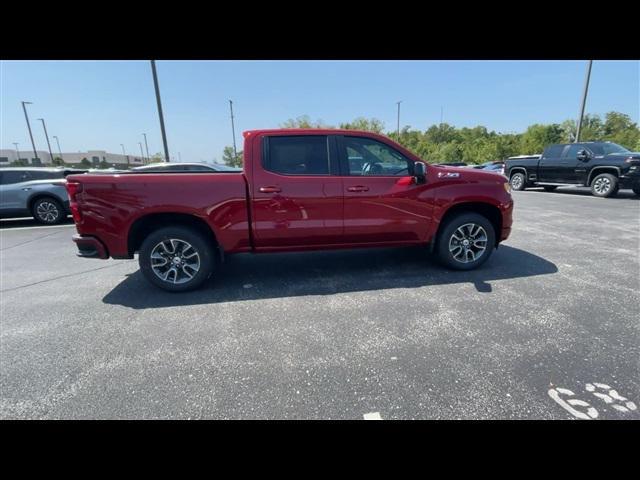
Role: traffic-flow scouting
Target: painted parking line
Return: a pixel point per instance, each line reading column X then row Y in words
column 35, row 228
column 372, row 416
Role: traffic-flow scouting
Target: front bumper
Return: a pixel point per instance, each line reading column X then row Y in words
column 90, row 247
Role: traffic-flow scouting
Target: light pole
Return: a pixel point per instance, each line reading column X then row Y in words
column 164, row 135
column 233, row 131
column 47, row 137
column 180, row 157
column 17, row 151
column 146, row 146
column 59, row 150
column 124, row 153
column 584, row 100
column 141, row 152
column 29, row 127
column 399, row 119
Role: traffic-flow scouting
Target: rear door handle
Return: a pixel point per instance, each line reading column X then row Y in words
column 358, row 188
column 270, row 189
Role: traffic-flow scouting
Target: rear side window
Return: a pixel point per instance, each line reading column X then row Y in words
column 11, row 177
column 46, row 175
column 554, row 151
column 298, row 155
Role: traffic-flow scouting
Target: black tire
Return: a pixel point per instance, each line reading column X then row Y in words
column 181, row 236
column 549, row 188
column 518, row 181
column 48, row 211
column 604, row 185
column 445, row 237
column 636, row 190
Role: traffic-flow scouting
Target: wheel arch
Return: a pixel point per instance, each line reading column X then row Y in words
column 487, row 210
column 147, row 224
column 518, row 170
column 595, row 171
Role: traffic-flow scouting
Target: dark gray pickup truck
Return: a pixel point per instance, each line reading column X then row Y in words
column 603, row 166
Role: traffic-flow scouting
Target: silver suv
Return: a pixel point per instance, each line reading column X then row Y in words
column 37, row 192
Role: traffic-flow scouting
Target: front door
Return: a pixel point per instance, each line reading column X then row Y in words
column 297, row 198
column 381, row 203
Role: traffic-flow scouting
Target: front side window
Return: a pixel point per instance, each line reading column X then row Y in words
column 366, row 156
column 572, row 152
column 298, row 155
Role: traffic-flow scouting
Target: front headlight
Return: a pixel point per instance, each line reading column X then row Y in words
column 507, row 187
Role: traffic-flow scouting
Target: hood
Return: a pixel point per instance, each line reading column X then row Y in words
column 464, row 174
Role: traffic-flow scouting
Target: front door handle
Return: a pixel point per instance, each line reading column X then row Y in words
column 26, row 189
column 358, row 188
column 270, row 189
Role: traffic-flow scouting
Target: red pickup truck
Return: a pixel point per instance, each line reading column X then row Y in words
column 299, row 190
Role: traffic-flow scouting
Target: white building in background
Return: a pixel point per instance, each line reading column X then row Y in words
column 94, row 157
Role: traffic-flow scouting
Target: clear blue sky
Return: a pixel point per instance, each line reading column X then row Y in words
column 101, row 104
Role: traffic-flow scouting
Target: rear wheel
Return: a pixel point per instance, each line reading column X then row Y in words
column 549, row 188
column 176, row 259
column 518, row 181
column 48, row 211
column 604, row 185
column 466, row 241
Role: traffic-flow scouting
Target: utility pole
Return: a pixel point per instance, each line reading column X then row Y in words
column 441, row 114
column 180, row 157
column 141, row 152
column 233, row 131
column 59, row 151
column 398, row 126
column 125, row 154
column 47, row 137
column 164, row 135
column 17, row 151
column 146, row 146
column 29, row 127
column 584, row 100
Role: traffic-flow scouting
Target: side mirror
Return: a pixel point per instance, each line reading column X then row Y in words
column 583, row 155
column 420, row 172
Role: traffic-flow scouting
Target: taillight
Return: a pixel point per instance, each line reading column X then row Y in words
column 73, row 189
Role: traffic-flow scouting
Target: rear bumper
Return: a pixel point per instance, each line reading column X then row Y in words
column 90, row 247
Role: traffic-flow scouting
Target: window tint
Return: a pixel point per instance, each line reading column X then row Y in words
column 572, row 153
column 298, row 155
column 46, row 175
column 15, row 177
column 606, row 148
column 554, row 151
column 366, row 156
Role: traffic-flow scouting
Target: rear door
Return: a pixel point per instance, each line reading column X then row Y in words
column 381, row 202
column 552, row 165
column 296, row 193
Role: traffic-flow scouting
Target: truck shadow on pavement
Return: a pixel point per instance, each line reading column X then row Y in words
column 278, row 275
column 585, row 192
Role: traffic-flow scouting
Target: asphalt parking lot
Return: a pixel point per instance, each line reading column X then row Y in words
column 382, row 333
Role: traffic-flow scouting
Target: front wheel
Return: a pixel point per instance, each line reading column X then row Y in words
column 604, row 185
column 518, row 181
column 466, row 241
column 176, row 259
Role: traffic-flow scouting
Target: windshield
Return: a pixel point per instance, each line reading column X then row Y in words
column 607, row 148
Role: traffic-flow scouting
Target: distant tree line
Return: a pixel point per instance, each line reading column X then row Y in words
column 446, row 143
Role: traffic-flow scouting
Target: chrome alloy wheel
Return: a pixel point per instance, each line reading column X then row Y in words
column 468, row 242
column 175, row 261
column 602, row 185
column 516, row 181
column 47, row 212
